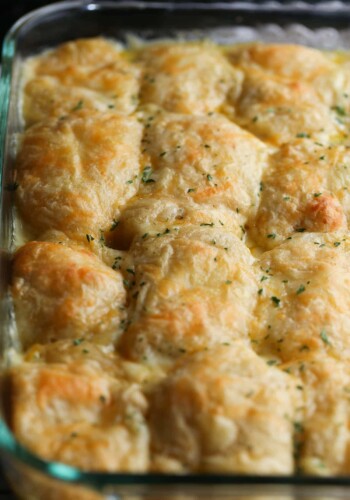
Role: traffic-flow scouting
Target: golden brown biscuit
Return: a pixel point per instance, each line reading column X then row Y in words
column 62, row 292
column 328, row 73
column 192, row 78
column 209, row 160
column 277, row 109
column 85, row 73
column 224, row 410
column 304, row 298
column 190, row 289
column 91, row 421
column 74, row 174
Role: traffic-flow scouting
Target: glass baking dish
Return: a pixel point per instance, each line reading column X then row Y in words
column 325, row 25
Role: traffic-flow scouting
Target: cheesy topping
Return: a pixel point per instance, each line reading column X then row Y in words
column 183, row 301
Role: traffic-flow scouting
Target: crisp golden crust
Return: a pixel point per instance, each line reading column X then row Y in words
column 73, row 61
column 304, row 299
column 277, row 109
column 62, row 292
column 90, row 74
column 191, row 288
column 91, row 421
column 290, row 61
column 187, row 77
column 224, row 409
column 186, row 305
column 73, row 173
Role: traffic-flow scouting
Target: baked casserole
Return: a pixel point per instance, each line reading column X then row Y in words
column 182, row 279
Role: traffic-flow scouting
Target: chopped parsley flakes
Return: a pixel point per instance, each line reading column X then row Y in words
column 77, row 341
column 271, row 362
column 339, row 110
column 324, row 337
column 146, row 175
column 78, row 106
column 276, row 301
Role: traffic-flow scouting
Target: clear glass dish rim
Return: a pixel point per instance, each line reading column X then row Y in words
column 8, row 443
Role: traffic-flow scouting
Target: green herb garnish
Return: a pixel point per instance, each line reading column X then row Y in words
column 271, row 362
column 78, row 106
column 324, row 337
column 146, row 175
column 276, row 301
column 77, row 341
column 339, row 110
